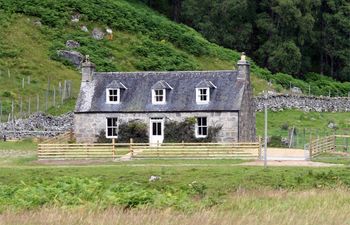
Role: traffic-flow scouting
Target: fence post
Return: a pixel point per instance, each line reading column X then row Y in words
column 334, row 142
column 183, row 148
column 130, row 148
column 259, row 148
column 113, row 148
column 158, row 149
column 28, row 106
column 37, row 102
column 0, row 111
column 310, row 147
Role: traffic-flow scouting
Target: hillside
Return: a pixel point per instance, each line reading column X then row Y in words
column 32, row 32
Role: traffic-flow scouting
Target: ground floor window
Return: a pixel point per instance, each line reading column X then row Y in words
column 112, row 128
column 201, row 127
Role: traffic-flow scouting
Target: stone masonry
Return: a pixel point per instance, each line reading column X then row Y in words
column 305, row 103
column 87, row 131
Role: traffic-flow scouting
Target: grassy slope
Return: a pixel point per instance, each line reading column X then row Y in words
column 28, row 50
column 300, row 120
column 135, row 47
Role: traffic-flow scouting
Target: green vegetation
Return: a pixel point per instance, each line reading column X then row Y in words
column 143, row 40
column 128, row 186
column 306, row 125
column 279, row 122
column 293, row 37
column 26, row 144
column 336, row 158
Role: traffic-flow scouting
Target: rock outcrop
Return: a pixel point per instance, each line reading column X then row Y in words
column 76, row 58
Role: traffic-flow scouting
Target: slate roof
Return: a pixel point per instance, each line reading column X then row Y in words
column 116, row 84
column 205, row 84
column 162, row 85
column 227, row 95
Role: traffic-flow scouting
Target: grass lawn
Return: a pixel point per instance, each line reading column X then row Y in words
column 300, row 120
column 26, row 144
column 335, row 158
column 189, row 192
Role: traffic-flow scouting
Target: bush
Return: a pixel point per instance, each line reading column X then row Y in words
column 275, row 141
column 161, row 55
column 101, row 137
column 177, row 132
column 136, row 130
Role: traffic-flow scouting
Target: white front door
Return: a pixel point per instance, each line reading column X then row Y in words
column 156, row 132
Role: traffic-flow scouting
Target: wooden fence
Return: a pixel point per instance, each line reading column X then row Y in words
column 320, row 145
column 198, row 150
column 60, row 139
column 147, row 151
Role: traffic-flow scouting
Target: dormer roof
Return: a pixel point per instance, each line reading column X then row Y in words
column 116, row 84
column 205, row 84
column 162, row 84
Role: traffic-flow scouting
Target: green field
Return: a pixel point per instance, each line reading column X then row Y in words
column 189, row 191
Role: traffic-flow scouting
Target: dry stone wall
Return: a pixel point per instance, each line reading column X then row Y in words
column 40, row 124
column 37, row 125
column 305, row 103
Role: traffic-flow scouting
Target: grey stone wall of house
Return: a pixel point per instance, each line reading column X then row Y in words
column 305, row 103
column 88, row 126
column 247, row 128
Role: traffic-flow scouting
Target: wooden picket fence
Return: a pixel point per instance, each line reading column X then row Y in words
column 150, row 151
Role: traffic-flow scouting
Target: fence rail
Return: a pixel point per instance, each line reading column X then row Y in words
column 149, row 151
column 328, row 144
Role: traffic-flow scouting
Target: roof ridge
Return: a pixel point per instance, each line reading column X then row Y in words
column 165, row 72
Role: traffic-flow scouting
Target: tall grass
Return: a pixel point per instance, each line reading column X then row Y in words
column 253, row 207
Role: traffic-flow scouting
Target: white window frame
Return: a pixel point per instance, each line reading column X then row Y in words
column 197, row 126
column 108, row 95
column 113, row 126
column 198, row 96
column 154, row 97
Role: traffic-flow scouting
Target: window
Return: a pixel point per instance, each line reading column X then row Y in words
column 112, row 128
column 113, row 96
column 202, row 95
column 158, row 96
column 201, row 127
column 157, row 128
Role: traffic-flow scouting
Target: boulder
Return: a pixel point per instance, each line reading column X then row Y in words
column 76, row 58
column 84, row 28
column 72, row 44
column 98, row 34
column 37, row 23
column 75, row 18
column 296, row 90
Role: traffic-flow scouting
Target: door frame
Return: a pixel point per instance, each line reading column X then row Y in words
column 151, row 121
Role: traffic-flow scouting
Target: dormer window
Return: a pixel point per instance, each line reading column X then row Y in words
column 158, row 96
column 159, row 92
column 113, row 92
column 203, row 91
column 113, row 96
column 202, row 95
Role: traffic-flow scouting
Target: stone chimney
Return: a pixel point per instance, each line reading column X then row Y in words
column 87, row 70
column 243, row 68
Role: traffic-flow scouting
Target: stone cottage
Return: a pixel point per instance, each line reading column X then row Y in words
column 213, row 98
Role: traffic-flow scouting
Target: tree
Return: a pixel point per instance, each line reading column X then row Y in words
column 285, row 57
